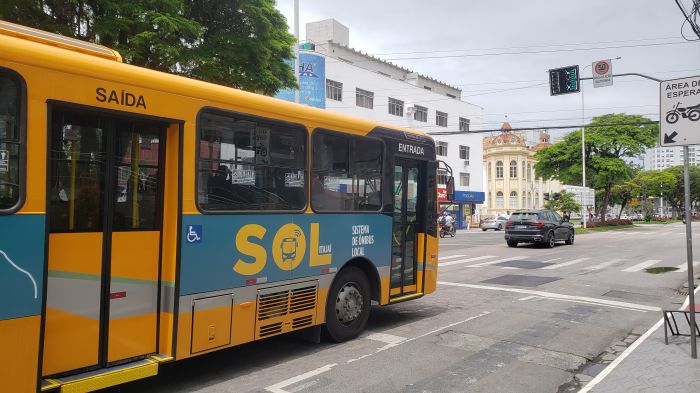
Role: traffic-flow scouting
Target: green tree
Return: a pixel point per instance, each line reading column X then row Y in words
column 244, row 45
column 675, row 194
column 238, row 43
column 147, row 33
column 607, row 147
column 622, row 194
column 563, row 202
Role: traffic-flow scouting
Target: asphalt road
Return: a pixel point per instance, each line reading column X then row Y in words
column 503, row 319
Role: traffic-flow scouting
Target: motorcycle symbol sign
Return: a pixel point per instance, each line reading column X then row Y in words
column 679, row 122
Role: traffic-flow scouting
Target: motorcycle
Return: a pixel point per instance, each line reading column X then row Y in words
column 692, row 113
column 445, row 230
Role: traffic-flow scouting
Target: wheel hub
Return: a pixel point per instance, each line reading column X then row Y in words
column 348, row 305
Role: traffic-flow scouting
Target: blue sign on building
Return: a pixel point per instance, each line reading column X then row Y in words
column 470, row 196
column 312, row 81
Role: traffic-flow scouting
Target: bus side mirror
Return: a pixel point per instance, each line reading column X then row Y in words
column 451, row 189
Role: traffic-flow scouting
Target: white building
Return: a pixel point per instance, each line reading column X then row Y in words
column 666, row 157
column 362, row 85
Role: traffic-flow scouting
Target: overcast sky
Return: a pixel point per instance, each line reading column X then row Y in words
column 644, row 33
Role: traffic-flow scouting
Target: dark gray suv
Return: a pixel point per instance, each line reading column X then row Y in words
column 544, row 227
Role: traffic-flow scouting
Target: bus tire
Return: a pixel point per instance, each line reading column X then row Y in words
column 348, row 305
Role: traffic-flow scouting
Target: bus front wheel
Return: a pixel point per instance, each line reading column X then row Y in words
column 348, row 305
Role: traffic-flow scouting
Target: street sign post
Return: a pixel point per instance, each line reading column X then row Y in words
column 564, row 80
column 679, row 122
column 679, row 125
column 602, row 73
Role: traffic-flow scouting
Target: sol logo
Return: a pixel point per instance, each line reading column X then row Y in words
column 288, row 248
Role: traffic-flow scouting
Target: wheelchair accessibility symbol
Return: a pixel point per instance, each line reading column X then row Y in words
column 194, row 234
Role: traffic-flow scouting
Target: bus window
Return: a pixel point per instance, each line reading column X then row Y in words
column 10, row 120
column 347, row 173
column 78, row 155
column 249, row 164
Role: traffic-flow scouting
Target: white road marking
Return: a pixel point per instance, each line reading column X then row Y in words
column 385, row 338
column 551, row 260
column 277, row 388
column 604, row 264
column 607, row 370
column 582, row 302
column 495, row 262
column 389, row 346
column 450, row 257
column 683, row 267
column 551, row 295
column 641, row 265
column 460, row 261
column 558, row 265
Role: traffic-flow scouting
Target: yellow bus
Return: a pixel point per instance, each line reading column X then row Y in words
column 148, row 218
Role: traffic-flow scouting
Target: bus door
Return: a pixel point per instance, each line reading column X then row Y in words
column 407, row 219
column 105, row 197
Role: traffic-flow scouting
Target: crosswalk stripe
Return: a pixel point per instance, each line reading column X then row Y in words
column 641, row 265
column 604, row 264
column 684, row 266
column 563, row 264
column 460, row 261
column 495, row 262
column 450, row 257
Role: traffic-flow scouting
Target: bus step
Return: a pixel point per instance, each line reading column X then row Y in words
column 103, row 378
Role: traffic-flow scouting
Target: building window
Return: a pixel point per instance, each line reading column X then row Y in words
column 440, row 119
column 441, row 149
column 463, row 124
column 529, row 172
column 499, row 200
column 250, row 164
column 489, row 173
column 346, row 173
column 451, row 95
column 420, row 113
column 499, row 170
column 427, row 88
column 442, row 176
column 523, row 170
column 513, row 168
column 513, row 200
column 464, row 179
column 395, row 107
column 464, row 154
column 524, row 202
column 364, row 98
column 334, row 90
column 529, row 200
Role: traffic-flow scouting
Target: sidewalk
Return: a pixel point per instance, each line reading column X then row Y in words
column 649, row 365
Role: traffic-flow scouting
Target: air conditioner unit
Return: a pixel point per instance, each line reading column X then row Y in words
column 466, row 164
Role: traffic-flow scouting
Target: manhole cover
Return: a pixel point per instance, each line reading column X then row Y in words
column 661, row 269
column 521, row 281
column 524, row 264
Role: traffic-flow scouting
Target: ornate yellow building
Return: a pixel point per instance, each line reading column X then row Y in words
column 509, row 174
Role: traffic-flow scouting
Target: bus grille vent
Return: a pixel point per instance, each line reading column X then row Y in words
column 285, row 309
column 269, row 330
column 302, row 299
column 272, row 305
column 301, row 322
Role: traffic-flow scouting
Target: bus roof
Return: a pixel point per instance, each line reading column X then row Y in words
column 47, row 50
column 58, row 40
